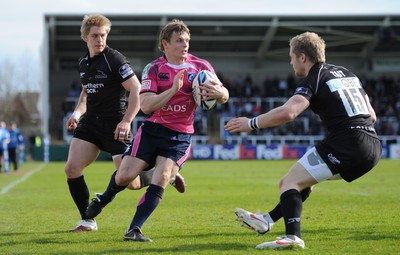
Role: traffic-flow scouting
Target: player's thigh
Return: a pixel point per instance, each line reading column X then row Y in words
column 164, row 170
column 314, row 164
column 297, row 178
column 129, row 169
column 81, row 154
column 117, row 159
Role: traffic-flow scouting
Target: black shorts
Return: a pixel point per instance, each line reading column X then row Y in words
column 154, row 140
column 101, row 133
column 350, row 153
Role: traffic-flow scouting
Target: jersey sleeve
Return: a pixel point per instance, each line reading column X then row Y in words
column 304, row 91
column 149, row 79
column 122, row 68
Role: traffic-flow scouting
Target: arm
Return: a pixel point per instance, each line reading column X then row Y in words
column 79, row 110
column 133, row 86
column 275, row 117
column 150, row 102
column 370, row 109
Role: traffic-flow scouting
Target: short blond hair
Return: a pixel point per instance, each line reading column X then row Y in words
column 175, row 25
column 92, row 20
column 311, row 44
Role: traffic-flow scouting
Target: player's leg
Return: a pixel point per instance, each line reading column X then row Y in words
column 81, row 154
column 165, row 168
column 308, row 171
column 276, row 213
column 129, row 170
column 1, row 159
column 139, row 182
column 263, row 223
column 291, row 205
column 144, row 180
column 12, row 154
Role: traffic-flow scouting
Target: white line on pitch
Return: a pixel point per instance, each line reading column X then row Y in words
column 24, row 178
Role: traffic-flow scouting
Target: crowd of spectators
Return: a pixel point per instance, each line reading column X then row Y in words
column 249, row 98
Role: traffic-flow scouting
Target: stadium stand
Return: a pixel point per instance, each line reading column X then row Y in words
column 251, row 56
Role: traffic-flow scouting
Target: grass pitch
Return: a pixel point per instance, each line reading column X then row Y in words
column 363, row 217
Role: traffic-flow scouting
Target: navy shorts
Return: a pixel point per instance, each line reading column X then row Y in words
column 101, row 133
column 154, row 140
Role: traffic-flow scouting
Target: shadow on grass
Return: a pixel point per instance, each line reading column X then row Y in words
column 351, row 233
column 187, row 246
column 190, row 243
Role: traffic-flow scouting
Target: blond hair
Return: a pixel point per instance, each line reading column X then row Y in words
column 311, row 44
column 97, row 20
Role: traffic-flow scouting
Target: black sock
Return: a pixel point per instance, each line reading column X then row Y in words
column 80, row 194
column 147, row 205
column 305, row 193
column 112, row 190
column 292, row 206
column 276, row 213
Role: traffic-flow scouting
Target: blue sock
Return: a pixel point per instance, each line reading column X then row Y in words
column 147, row 205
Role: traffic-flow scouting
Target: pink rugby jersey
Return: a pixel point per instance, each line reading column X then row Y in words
column 158, row 76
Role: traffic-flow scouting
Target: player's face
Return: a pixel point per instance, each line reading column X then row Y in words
column 297, row 64
column 177, row 48
column 96, row 40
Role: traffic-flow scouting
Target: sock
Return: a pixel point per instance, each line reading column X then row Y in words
column 276, row 213
column 145, row 177
column 292, row 206
column 80, row 194
column 112, row 190
column 147, row 205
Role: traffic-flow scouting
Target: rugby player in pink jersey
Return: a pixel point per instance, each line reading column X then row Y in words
column 163, row 141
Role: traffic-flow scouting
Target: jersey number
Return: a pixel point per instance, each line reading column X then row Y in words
column 353, row 101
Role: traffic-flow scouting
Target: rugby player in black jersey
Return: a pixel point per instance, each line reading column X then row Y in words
column 350, row 149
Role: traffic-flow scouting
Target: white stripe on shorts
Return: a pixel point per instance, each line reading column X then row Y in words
column 316, row 166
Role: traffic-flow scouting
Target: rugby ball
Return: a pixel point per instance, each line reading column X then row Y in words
column 203, row 76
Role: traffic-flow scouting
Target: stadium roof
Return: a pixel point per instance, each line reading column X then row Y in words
column 260, row 37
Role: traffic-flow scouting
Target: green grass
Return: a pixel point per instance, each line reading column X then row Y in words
column 339, row 218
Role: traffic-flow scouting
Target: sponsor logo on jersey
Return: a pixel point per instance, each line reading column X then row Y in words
column 174, row 108
column 81, row 75
column 333, row 159
column 364, row 128
column 100, row 75
column 342, row 83
column 92, row 88
column 163, row 76
column 303, row 90
column 191, row 76
column 146, row 84
column 125, row 71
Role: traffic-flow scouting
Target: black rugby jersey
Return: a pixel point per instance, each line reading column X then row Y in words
column 102, row 76
column 337, row 96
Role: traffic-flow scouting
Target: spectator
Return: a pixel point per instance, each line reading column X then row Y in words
column 14, row 145
column 4, row 141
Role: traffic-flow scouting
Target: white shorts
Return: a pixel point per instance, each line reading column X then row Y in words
column 316, row 166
